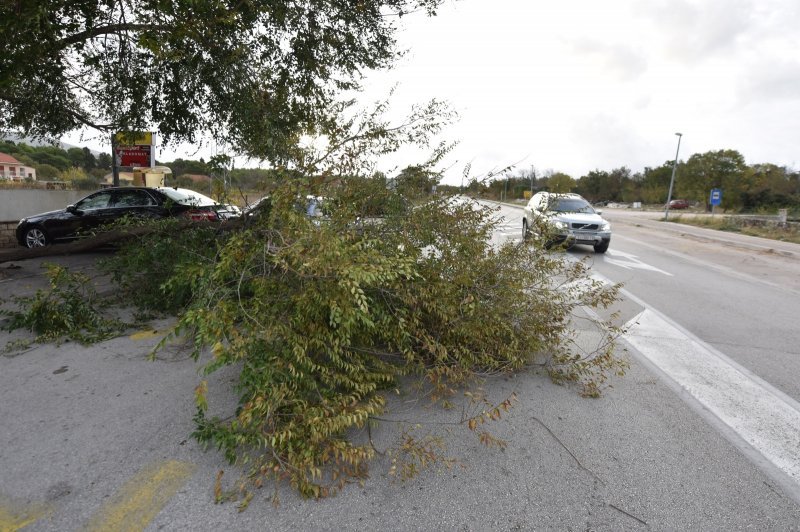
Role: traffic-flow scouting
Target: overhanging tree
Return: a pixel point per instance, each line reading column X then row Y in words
column 260, row 71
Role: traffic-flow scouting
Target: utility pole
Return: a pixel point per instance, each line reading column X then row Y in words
column 114, row 162
column 672, row 180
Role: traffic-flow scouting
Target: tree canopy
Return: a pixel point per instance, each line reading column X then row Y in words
column 261, row 72
column 745, row 187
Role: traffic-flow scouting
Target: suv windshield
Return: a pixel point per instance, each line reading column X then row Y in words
column 570, row 205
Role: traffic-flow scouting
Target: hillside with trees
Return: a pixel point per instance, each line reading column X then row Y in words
column 745, row 188
column 77, row 166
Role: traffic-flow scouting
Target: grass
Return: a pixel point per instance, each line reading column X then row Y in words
column 732, row 224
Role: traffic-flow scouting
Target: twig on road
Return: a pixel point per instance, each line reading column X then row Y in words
column 628, row 514
column 568, row 451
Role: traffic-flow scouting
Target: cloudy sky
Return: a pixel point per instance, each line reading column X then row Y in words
column 575, row 85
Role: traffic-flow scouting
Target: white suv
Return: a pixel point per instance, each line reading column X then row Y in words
column 565, row 218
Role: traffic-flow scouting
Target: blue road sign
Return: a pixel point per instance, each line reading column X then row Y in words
column 716, row 196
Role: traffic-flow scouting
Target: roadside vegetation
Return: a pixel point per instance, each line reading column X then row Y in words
column 69, row 309
column 324, row 318
column 755, row 189
column 789, row 232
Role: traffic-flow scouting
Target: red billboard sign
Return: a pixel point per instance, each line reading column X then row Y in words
column 134, row 156
column 134, row 149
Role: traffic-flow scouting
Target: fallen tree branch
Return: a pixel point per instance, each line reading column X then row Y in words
column 101, row 239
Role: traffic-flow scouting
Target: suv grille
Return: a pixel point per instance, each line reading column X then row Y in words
column 584, row 226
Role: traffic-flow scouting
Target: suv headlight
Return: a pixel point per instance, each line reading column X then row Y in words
column 605, row 226
column 560, row 225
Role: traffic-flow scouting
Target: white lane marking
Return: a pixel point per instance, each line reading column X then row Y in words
column 706, row 264
column 762, row 421
column 766, row 418
column 630, row 262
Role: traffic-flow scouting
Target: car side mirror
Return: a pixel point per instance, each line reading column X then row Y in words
column 599, row 211
column 72, row 209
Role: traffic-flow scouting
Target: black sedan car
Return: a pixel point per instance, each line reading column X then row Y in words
column 111, row 204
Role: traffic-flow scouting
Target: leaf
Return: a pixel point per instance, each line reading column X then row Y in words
column 200, row 395
column 218, row 487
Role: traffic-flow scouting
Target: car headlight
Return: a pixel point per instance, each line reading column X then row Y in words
column 559, row 225
column 605, row 226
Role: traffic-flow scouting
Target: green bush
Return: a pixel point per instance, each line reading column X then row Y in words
column 69, row 309
column 322, row 317
column 156, row 272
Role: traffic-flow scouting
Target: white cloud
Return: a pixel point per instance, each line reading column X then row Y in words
column 579, row 84
column 693, row 30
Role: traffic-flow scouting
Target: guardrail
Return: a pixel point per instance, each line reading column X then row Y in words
column 781, row 219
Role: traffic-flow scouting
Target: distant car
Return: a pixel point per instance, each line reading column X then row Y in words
column 678, row 204
column 317, row 207
column 567, row 219
column 260, row 206
column 228, row 211
column 111, row 204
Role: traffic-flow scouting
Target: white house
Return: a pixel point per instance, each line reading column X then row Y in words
column 12, row 169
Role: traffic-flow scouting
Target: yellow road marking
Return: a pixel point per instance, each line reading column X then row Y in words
column 14, row 516
column 144, row 335
column 142, row 497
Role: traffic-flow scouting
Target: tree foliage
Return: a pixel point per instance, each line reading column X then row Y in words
column 599, row 185
column 104, row 161
column 323, row 318
column 560, row 182
column 745, row 187
column 261, row 72
column 69, row 309
column 725, row 169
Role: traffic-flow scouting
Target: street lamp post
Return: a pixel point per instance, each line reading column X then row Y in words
column 672, row 180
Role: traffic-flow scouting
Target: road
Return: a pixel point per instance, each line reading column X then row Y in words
column 99, row 438
column 736, row 293
column 716, row 315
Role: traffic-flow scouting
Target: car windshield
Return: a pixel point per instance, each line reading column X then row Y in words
column 571, row 205
column 317, row 206
column 184, row 196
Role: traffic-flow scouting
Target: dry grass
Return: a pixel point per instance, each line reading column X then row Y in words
column 745, row 226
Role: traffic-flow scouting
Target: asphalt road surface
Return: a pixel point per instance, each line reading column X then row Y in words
column 716, row 318
column 99, row 438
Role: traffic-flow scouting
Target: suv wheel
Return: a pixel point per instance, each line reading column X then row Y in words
column 602, row 247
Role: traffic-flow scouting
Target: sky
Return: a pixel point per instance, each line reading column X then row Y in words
column 576, row 85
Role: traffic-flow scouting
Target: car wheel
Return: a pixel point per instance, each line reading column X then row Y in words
column 524, row 229
column 35, row 237
column 601, row 247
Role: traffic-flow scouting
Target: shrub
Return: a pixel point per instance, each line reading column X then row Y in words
column 155, row 272
column 322, row 317
column 68, row 309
